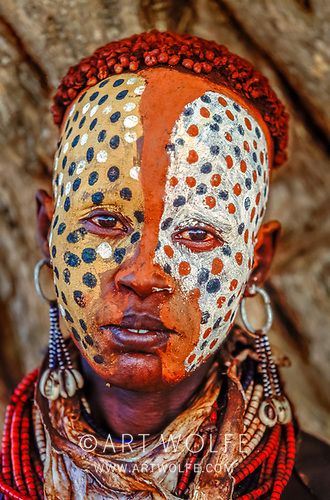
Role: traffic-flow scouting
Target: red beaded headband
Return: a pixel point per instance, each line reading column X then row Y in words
column 186, row 53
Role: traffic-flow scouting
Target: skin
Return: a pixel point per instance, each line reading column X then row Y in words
column 111, row 254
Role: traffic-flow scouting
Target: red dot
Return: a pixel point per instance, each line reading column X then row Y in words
column 258, row 199
column 192, row 130
column 205, row 112
column 255, row 145
column 226, row 318
column 184, row 268
column 217, row 266
column 233, row 285
column 191, row 181
column 230, row 115
column 246, row 146
column 173, row 181
column 215, row 180
column 254, row 176
column 210, row 201
column 191, row 358
column 231, row 208
column 207, row 333
column 243, row 166
column 246, row 235
column 229, row 161
column 192, row 156
column 239, row 258
column 222, row 101
column 262, row 157
column 237, row 189
column 213, row 343
column 221, row 300
column 228, row 137
column 253, row 212
column 169, row 251
column 248, row 123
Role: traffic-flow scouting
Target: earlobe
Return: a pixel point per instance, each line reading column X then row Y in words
column 264, row 251
column 45, row 210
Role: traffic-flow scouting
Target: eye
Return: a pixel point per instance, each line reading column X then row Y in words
column 198, row 239
column 106, row 223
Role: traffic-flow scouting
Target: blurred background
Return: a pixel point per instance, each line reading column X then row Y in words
column 289, row 42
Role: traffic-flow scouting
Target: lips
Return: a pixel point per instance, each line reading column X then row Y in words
column 138, row 333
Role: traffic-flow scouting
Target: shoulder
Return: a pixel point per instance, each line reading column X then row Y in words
column 311, row 476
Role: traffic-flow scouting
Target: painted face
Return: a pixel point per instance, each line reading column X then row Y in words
column 160, row 185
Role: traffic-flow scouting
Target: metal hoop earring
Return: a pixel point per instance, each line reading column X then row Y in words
column 60, row 379
column 275, row 408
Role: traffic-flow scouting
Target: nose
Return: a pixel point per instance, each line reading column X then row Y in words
column 143, row 279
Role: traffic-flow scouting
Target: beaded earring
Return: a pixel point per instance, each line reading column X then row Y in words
column 275, row 408
column 60, row 379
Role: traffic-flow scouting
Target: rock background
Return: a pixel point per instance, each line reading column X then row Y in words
column 288, row 41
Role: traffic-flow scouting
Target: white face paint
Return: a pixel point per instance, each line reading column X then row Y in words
column 217, row 181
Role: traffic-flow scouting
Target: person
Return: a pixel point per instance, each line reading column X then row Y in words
column 155, row 238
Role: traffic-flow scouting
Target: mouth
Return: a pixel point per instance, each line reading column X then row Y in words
column 138, row 334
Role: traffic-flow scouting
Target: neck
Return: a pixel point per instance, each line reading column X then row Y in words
column 136, row 412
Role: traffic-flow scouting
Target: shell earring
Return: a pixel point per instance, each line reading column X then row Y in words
column 60, row 379
column 275, row 408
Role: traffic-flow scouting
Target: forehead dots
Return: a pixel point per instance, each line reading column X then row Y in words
column 218, row 178
column 96, row 165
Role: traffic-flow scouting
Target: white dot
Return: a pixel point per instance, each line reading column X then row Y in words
column 107, row 110
column 93, row 110
column 56, row 163
column 66, row 147
column 62, row 310
column 131, row 121
column 84, row 139
column 130, row 81
column 139, row 90
column 68, row 188
column 50, row 238
column 104, row 250
column 80, row 167
column 130, row 137
column 129, row 106
column 72, row 110
column 134, row 172
column 102, row 156
column 60, row 178
column 86, row 107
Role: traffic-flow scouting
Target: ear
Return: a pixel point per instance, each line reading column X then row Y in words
column 45, row 210
column 264, row 251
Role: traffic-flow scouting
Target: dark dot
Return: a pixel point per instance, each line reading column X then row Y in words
column 64, row 161
column 113, row 174
column 119, row 254
column 237, row 151
column 179, row 141
column 71, row 259
column 56, row 290
column 170, row 147
column 97, row 198
column 81, row 97
column 79, row 298
column 64, row 298
column 75, row 334
column 188, row 112
column 203, row 276
column 76, row 235
column 240, row 129
column 56, row 272
column 62, row 189
column 55, row 222
column 201, row 188
column 93, row 177
column 223, row 195
column 259, row 170
column 179, row 201
column 121, row 95
column 61, row 228
column 76, row 184
column 67, row 204
column 98, row 359
column 236, row 106
column 126, row 193
column 241, row 228
column 118, row 82
column 257, row 131
column 139, row 216
column 102, row 100
column 53, row 251
column 205, row 317
column 247, row 203
column 83, row 325
column 89, row 340
column 114, row 142
column 248, row 183
column 89, row 280
column 206, row 168
column 265, row 191
column 204, row 344
column 75, row 118
column 217, row 118
column 158, row 246
column 167, row 269
column 67, row 125
column 68, row 316
column 75, row 141
column 213, row 286
column 88, row 255
column 103, row 84
column 230, row 301
column 94, row 96
column 226, row 250
column 214, row 150
column 166, row 223
column 115, row 117
column 82, row 121
column 72, row 168
column 135, row 237
column 217, row 323
column 101, row 136
column 206, row 98
column 93, row 123
column 66, row 276
column 214, row 127
column 56, row 180
column 69, row 133
column 254, row 156
column 90, row 154
column 84, row 344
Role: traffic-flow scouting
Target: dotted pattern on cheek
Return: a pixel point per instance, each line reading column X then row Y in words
column 95, row 166
column 218, row 176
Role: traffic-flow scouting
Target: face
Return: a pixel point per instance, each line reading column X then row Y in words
column 160, row 185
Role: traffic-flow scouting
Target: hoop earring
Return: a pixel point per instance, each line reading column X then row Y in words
column 60, row 379
column 275, row 408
